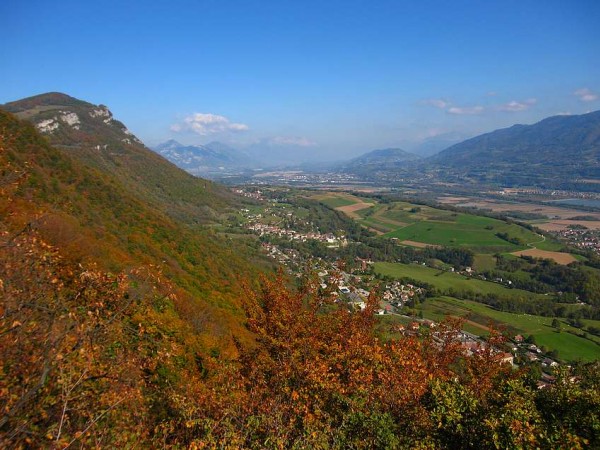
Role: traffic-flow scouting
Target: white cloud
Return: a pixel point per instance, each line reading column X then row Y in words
column 205, row 124
column 292, row 140
column 515, row 106
column 465, row 110
column 585, row 95
column 436, row 102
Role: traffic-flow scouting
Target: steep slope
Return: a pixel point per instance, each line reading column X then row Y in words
column 553, row 152
column 109, row 308
column 91, row 134
column 204, row 160
column 94, row 217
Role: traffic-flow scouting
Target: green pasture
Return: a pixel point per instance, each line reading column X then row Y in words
column 466, row 231
column 445, row 280
column 336, row 202
column 337, row 199
column 484, row 262
column 407, row 221
column 569, row 344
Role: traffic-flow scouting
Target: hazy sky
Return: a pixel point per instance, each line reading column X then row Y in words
column 329, row 78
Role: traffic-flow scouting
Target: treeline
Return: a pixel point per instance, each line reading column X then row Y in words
column 512, row 240
column 376, row 250
column 575, row 281
column 328, row 220
column 366, row 245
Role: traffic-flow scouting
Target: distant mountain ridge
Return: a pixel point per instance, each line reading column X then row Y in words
column 379, row 160
column 204, row 159
column 556, row 149
column 435, row 144
column 385, row 155
column 559, row 152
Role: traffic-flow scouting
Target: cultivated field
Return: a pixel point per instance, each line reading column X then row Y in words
column 420, row 226
column 560, row 258
column 426, row 225
column 347, row 203
column 417, row 244
column 351, row 210
column 558, row 217
column 559, row 225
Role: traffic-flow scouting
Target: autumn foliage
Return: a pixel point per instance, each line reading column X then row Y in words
column 132, row 343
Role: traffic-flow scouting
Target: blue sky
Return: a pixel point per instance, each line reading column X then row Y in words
column 326, row 79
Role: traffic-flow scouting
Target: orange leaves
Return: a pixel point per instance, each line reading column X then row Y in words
column 312, row 362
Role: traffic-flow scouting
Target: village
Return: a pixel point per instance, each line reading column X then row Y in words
column 581, row 237
column 353, row 285
column 354, row 288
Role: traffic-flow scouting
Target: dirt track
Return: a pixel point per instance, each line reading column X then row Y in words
column 419, row 244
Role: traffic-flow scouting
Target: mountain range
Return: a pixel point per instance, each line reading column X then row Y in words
column 550, row 153
column 375, row 161
column 205, row 160
column 435, row 144
column 557, row 152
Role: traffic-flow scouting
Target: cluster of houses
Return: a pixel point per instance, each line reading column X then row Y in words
column 582, row 238
column 398, row 294
column 470, row 344
column 262, row 224
column 557, row 193
column 289, row 258
column 255, row 194
column 265, row 229
column 296, row 177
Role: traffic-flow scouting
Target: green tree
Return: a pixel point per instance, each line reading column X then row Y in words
column 556, row 324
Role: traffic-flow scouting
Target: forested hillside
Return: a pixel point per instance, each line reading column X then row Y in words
column 90, row 134
column 94, row 219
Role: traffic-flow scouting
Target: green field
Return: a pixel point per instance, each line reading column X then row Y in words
column 484, row 262
column 466, row 231
column 569, row 345
column 336, row 202
column 444, row 280
column 406, row 221
column 338, row 199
